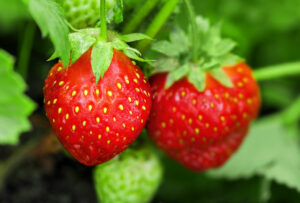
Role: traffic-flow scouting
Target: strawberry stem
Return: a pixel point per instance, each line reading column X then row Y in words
column 25, row 50
column 277, row 71
column 194, row 36
column 139, row 16
column 157, row 23
column 292, row 113
column 103, row 34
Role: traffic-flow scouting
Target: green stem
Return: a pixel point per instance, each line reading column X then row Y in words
column 194, row 40
column 25, row 50
column 157, row 23
column 103, row 34
column 292, row 113
column 139, row 16
column 277, row 71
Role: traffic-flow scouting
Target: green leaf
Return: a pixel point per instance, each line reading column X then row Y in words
column 202, row 24
column 137, row 52
column 221, row 77
column 193, row 31
column 12, row 15
column 50, row 18
column 270, row 150
column 119, row 45
column 80, row 43
column 165, row 64
column 209, row 64
column 177, row 74
column 134, row 37
column 25, row 2
column 6, row 61
column 213, row 35
column 116, row 13
column 197, row 78
column 53, row 56
column 127, row 50
column 101, row 57
column 178, row 37
column 15, row 107
column 167, row 48
column 264, row 144
column 177, row 45
column 285, row 169
column 131, row 53
column 93, row 32
column 231, row 59
column 118, row 9
column 221, row 48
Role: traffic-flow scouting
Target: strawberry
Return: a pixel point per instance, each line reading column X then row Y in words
column 204, row 97
column 203, row 129
column 96, row 121
column 131, row 177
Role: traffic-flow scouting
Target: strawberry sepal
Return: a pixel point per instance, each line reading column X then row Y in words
column 213, row 51
column 102, row 52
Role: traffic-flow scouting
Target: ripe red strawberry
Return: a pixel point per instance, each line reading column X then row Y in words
column 201, row 130
column 93, row 121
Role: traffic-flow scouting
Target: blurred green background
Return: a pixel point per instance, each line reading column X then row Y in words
column 265, row 169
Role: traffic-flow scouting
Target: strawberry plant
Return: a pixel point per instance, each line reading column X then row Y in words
column 95, row 117
column 149, row 101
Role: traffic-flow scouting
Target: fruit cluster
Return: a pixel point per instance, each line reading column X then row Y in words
column 197, row 108
column 200, row 128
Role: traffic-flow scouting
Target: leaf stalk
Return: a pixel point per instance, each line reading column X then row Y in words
column 277, row 71
column 157, row 23
column 103, row 34
column 194, row 33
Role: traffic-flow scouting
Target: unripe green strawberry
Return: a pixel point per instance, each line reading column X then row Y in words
column 83, row 13
column 131, row 177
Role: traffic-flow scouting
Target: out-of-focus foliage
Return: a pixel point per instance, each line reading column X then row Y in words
column 12, row 13
column 255, row 24
column 15, row 107
column 50, row 18
column 267, row 32
column 269, row 150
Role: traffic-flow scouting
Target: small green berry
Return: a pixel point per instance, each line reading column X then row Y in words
column 83, row 13
column 132, row 177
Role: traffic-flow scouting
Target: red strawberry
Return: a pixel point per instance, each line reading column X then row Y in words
column 93, row 121
column 201, row 130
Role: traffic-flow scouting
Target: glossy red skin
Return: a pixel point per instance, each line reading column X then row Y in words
column 95, row 141
column 204, row 142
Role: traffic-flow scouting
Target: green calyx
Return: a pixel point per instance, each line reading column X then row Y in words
column 102, row 50
column 192, row 57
